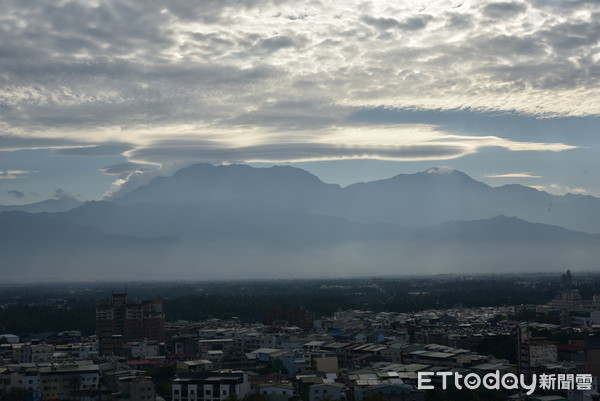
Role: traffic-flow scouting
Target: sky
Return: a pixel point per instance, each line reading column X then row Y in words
column 97, row 97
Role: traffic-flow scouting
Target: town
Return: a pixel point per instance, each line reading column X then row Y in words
column 138, row 350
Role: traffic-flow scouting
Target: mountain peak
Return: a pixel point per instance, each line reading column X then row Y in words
column 207, row 182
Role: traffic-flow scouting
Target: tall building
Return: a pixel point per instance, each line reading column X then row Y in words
column 533, row 352
column 120, row 322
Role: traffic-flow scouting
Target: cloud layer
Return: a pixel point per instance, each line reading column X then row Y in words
column 275, row 80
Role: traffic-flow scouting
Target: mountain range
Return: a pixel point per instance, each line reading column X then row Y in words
column 238, row 221
column 430, row 197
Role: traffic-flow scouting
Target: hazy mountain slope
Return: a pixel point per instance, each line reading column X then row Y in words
column 214, row 222
column 39, row 247
column 48, row 205
column 276, row 244
column 241, row 238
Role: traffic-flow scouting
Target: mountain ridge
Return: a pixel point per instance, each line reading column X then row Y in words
column 421, row 199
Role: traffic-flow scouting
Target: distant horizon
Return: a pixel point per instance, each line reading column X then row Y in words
column 194, row 280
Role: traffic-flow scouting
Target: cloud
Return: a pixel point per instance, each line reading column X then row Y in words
column 296, row 152
column 381, row 23
column 109, row 78
column 15, row 142
column 402, row 142
column 559, row 189
column 110, row 149
column 125, row 168
column 513, row 175
column 13, row 174
column 538, row 187
column 442, row 170
column 16, row 193
column 416, row 23
column 277, row 43
column 410, row 24
column 60, row 193
column 136, row 178
column 77, row 63
column 458, row 21
column 513, row 126
column 503, row 10
column 579, row 190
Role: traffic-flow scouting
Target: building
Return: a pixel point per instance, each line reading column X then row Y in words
column 120, row 322
column 70, row 381
column 533, row 352
column 136, row 388
column 142, row 349
column 41, row 353
column 213, row 386
column 276, row 391
column 198, row 365
column 9, row 338
column 585, row 319
column 327, row 391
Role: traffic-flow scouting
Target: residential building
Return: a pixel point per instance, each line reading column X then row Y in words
column 213, row 386
column 136, row 388
column 327, row 391
column 120, row 322
column 70, row 381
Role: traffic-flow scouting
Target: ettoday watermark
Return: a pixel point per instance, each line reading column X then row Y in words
column 506, row 381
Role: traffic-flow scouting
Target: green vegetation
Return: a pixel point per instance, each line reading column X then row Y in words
column 26, row 310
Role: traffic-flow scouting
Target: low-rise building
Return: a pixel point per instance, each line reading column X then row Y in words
column 213, row 386
column 135, row 388
column 327, row 391
column 276, row 391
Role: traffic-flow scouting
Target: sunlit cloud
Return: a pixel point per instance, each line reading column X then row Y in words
column 578, row 190
column 558, row 189
column 538, row 187
column 409, row 142
column 14, row 174
column 513, row 175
